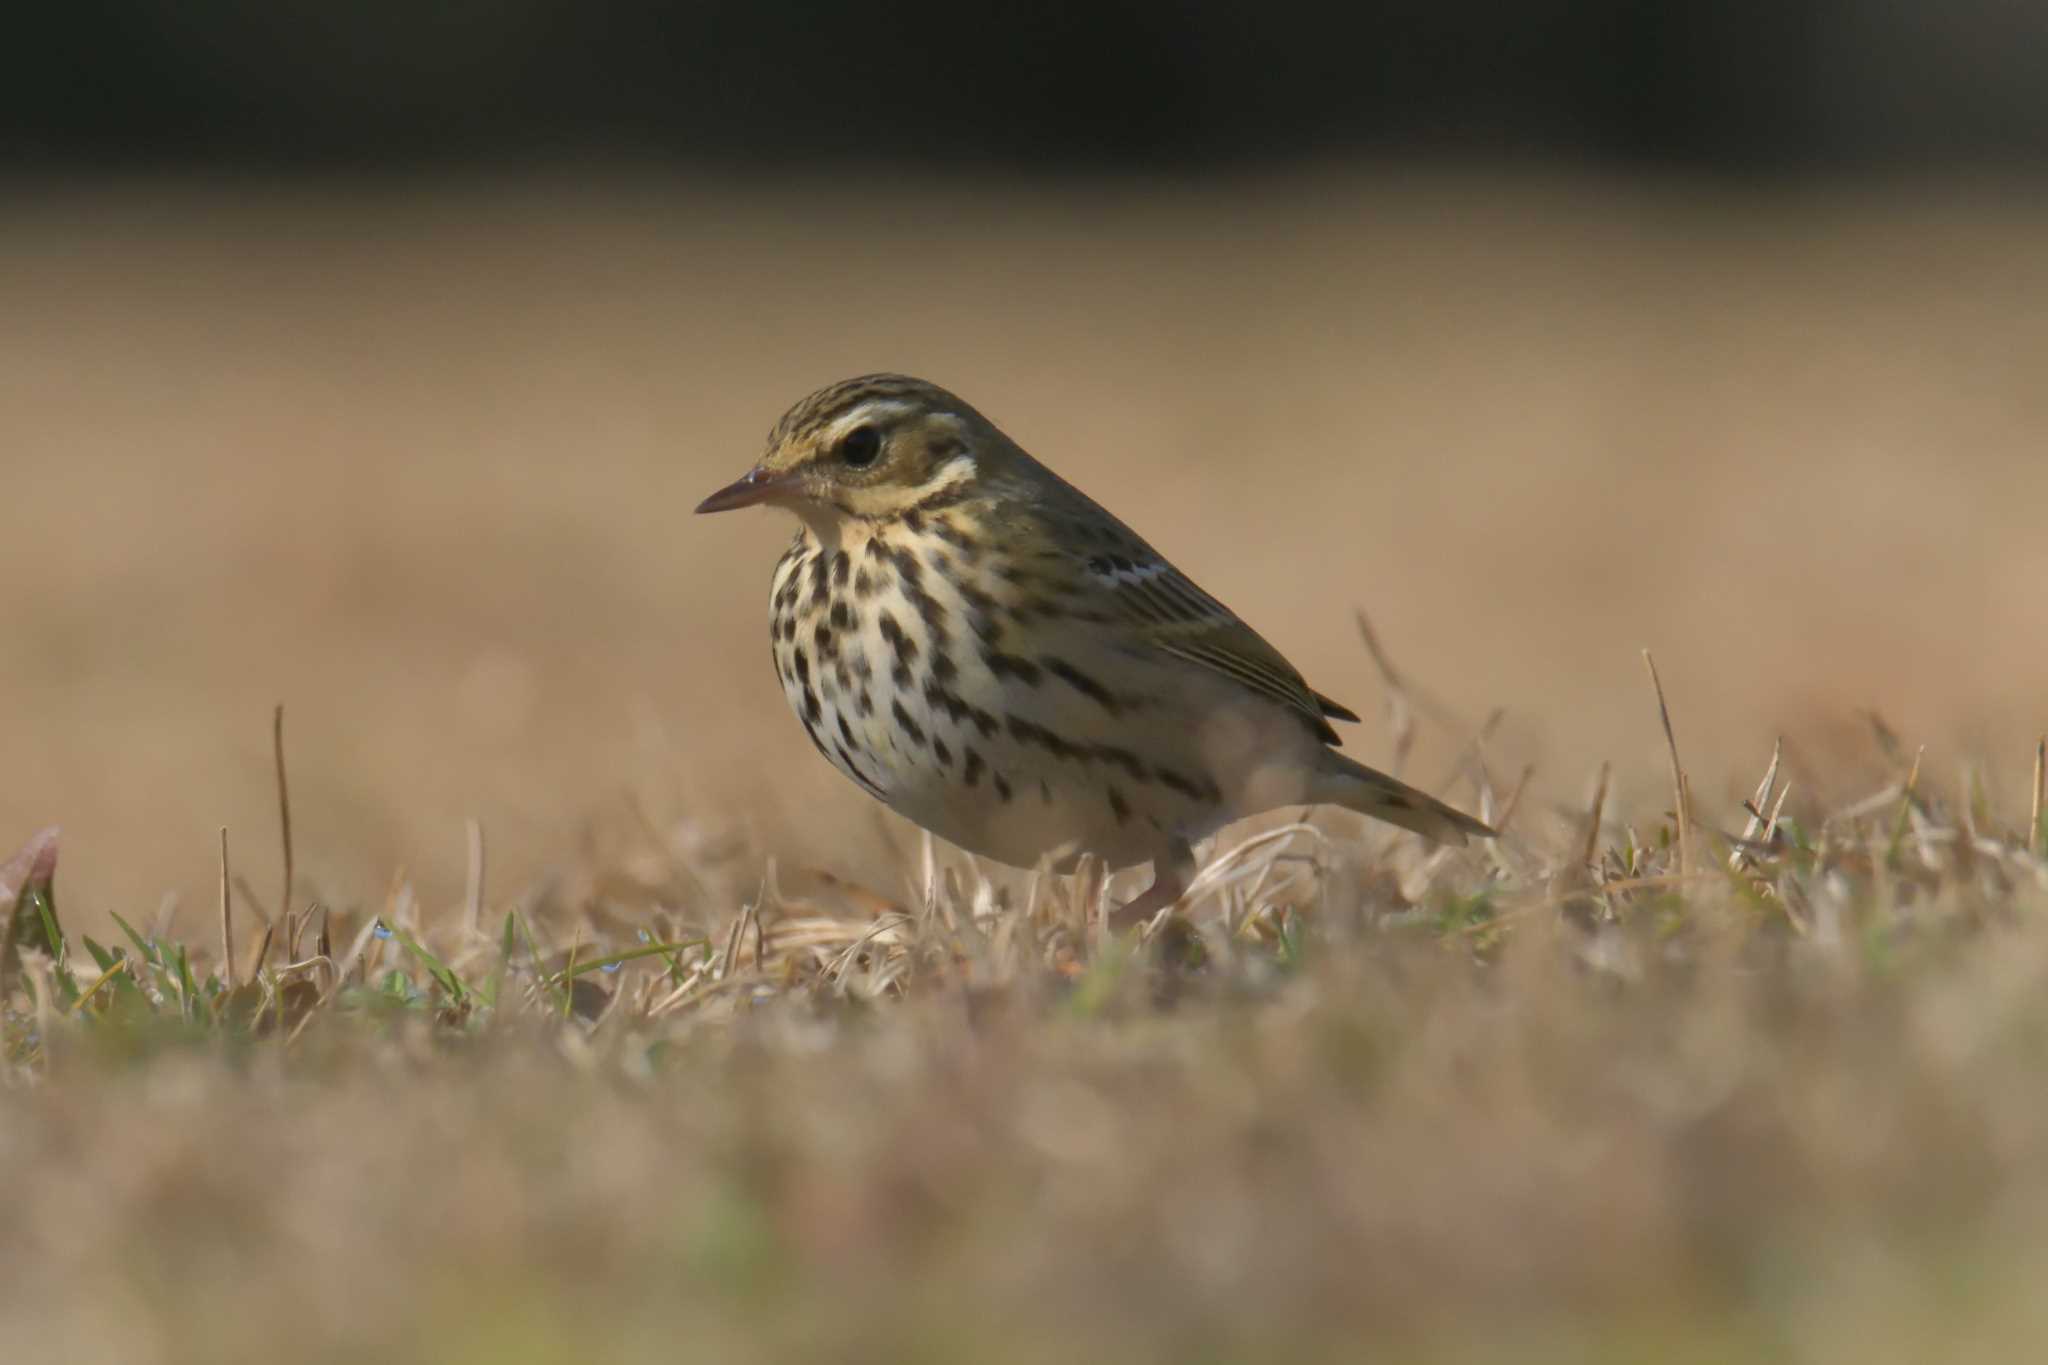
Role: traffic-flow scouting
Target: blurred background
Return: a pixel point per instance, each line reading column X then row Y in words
column 368, row 358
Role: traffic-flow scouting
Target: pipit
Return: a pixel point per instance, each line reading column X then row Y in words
column 980, row 646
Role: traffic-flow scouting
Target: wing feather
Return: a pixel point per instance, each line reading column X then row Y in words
column 1177, row 617
column 1158, row 604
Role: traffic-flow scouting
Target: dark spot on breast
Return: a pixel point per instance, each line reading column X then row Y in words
column 928, row 607
column 907, row 567
column 939, row 749
column 803, row 668
column 943, row 667
column 821, row 582
column 1002, row 787
column 954, row 535
column 1122, row 758
column 846, row 730
column 970, row 768
column 864, row 584
column 1030, row 732
column 866, row 702
column 1185, row 785
column 981, row 613
column 822, row 638
column 840, row 564
column 812, row 711
column 909, row 727
column 899, row 640
column 841, row 676
column 913, row 523
column 942, row 698
column 842, row 615
column 1119, row 807
column 1011, row 666
column 1081, row 682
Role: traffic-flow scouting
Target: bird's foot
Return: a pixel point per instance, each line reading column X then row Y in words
column 1171, row 872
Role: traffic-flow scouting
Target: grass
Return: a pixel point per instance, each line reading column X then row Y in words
column 1607, row 1088
column 577, row 1011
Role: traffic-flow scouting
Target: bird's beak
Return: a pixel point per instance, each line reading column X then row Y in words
column 753, row 488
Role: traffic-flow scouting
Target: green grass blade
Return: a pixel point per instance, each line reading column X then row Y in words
column 444, row 976
column 103, row 958
column 148, row 951
column 667, row 950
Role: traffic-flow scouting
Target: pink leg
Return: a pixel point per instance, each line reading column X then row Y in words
column 1171, row 872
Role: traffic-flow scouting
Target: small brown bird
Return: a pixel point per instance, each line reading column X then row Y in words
column 976, row 643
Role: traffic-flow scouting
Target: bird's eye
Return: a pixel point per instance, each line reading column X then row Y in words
column 860, row 447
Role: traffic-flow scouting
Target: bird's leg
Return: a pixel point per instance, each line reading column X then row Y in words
column 1172, row 869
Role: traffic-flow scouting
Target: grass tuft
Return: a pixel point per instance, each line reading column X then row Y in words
column 1623, row 1083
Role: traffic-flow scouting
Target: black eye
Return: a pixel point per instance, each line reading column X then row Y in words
column 860, row 447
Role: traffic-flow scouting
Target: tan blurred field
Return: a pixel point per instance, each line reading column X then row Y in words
column 417, row 462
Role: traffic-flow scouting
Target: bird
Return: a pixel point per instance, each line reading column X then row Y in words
column 981, row 646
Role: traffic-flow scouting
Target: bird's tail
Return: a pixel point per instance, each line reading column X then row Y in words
column 1354, row 786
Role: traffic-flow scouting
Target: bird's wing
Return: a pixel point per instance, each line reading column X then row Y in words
column 1170, row 613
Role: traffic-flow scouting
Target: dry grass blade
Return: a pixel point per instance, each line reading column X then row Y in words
column 1906, row 807
column 1250, row 857
column 2037, row 838
column 930, row 904
column 1770, row 833
column 353, row 958
column 1883, row 799
column 262, row 953
column 284, row 820
column 1513, row 802
column 1589, row 849
column 227, row 913
column 1741, row 857
column 729, row 957
column 1683, row 814
column 1400, row 706
column 473, row 876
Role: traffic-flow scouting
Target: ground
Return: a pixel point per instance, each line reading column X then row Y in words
column 416, row 464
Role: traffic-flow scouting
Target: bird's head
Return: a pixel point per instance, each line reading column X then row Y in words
column 870, row 449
